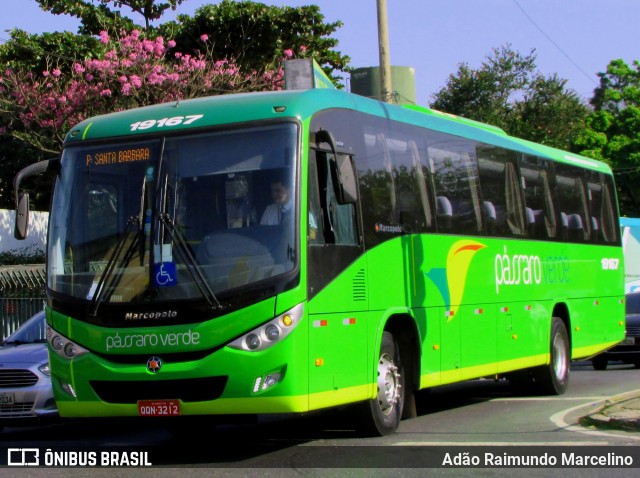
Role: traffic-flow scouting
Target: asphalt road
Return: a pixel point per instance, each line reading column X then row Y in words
column 457, row 419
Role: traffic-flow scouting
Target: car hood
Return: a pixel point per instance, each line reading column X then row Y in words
column 25, row 353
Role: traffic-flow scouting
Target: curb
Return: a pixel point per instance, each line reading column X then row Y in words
column 621, row 412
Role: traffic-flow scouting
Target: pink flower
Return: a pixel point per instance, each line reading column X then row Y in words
column 171, row 43
column 104, row 37
column 56, row 72
column 288, row 53
column 136, row 81
column 105, row 92
column 204, row 37
column 303, row 49
column 45, row 73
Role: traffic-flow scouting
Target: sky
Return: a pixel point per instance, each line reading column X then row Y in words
column 574, row 39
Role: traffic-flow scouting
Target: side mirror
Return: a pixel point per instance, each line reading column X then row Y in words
column 22, row 198
column 22, row 216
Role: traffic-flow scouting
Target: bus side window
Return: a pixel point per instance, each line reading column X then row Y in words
column 537, row 181
column 572, row 195
column 338, row 221
column 602, row 209
column 503, row 201
column 316, row 214
column 456, row 185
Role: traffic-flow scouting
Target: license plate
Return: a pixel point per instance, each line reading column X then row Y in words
column 628, row 341
column 7, row 398
column 158, row 408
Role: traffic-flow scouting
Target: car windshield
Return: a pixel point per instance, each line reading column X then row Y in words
column 32, row 331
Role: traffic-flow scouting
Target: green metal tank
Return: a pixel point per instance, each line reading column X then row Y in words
column 366, row 82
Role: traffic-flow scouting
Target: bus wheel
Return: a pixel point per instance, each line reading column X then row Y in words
column 381, row 416
column 553, row 379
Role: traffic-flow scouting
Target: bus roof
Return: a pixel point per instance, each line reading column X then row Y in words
column 302, row 104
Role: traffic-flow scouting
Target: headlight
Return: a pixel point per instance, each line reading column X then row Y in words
column 63, row 346
column 270, row 333
column 44, row 368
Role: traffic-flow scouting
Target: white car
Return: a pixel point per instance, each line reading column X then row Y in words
column 26, row 395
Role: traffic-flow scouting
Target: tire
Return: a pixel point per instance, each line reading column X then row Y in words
column 553, row 379
column 381, row 416
column 599, row 363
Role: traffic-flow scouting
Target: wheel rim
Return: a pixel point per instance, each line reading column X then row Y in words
column 388, row 384
column 559, row 357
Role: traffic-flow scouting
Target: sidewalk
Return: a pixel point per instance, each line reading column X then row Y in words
column 618, row 413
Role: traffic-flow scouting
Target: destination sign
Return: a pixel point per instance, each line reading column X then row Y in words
column 115, row 156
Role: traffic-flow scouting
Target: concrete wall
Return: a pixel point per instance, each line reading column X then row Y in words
column 36, row 237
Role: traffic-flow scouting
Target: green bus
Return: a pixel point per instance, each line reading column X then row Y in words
column 302, row 250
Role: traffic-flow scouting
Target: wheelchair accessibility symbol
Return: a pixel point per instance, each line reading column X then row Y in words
column 164, row 274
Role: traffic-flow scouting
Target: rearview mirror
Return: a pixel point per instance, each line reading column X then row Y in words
column 22, row 216
column 22, row 198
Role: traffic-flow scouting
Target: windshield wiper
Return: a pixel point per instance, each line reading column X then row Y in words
column 111, row 264
column 190, row 261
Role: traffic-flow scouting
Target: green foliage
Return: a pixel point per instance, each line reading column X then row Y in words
column 93, row 18
column 548, row 113
column 18, row 257
column 255, row 35
column 611, row 131
column 38, row 53
column 506, row 91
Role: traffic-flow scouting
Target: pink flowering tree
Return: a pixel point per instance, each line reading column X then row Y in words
column 40, row 107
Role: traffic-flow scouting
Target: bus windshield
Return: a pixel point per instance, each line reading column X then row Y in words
column 188, row 217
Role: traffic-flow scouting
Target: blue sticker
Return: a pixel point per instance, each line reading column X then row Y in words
column 164, row 274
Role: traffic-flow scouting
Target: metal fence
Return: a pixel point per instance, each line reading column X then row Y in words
column 22, row 279
column 21, row 295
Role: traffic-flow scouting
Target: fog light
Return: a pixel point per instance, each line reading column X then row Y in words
column 271, row 380
column 68, row 389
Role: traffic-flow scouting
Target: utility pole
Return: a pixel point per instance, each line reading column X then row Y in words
column 383, row 48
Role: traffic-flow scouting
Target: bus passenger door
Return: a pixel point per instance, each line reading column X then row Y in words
column 336, row 288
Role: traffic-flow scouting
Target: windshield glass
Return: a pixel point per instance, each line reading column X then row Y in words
column 174, row 218
column 31, row 332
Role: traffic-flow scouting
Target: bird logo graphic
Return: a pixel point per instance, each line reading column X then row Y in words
column 451, row 280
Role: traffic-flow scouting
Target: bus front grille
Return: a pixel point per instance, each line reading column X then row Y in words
column 187, row 390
